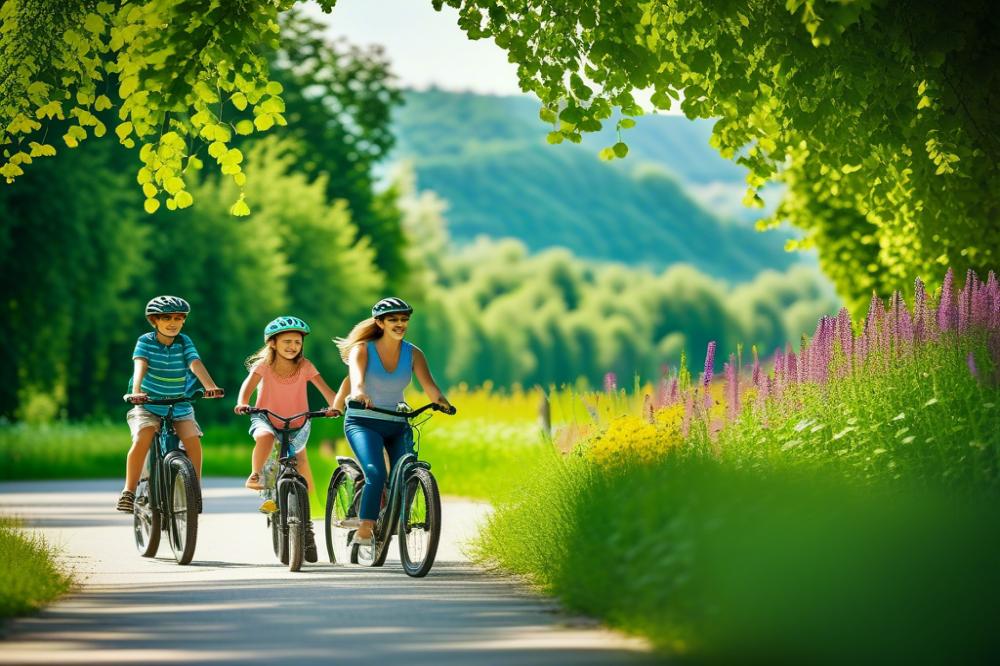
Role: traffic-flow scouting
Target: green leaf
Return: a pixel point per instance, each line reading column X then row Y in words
column 554, row 137
column 244, row 127
column 149, row 190
column 183, row 199
column 263, row 122
column 94, row 24
column 151, row 205
column 620, row 149
column 240, row 208
column 173, row 185
column 240, row 101
column 273, row 88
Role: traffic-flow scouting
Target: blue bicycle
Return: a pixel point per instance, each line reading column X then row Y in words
column 411, row 509
column 168, row 497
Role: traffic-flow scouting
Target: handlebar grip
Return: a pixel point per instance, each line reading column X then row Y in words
column 445, row 410
column 355, row 404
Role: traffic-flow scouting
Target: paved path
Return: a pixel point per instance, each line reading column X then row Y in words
column 236, row 604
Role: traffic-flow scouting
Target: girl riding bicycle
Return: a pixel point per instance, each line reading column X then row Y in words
column 381, row 366
column 280, row 374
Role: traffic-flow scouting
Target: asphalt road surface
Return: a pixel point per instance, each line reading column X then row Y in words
column 237, row 604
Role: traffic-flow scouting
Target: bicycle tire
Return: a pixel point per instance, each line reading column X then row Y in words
column 342, row 497
column 145, row 521
column 420, row 523
column 182, row 522
column 298, row 514
column 272, row 522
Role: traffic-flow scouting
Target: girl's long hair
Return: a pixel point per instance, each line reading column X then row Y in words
column 267, row 354
column 363, row 331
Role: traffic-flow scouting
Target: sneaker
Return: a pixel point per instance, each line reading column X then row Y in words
column 268, row 507
column 348, row 523
column 126, row 501
column 254, row 482
column 311, row 554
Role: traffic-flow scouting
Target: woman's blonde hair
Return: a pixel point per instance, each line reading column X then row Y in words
column 363, row 331
column 268, row 355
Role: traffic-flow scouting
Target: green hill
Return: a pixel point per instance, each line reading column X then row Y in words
column 488, row 158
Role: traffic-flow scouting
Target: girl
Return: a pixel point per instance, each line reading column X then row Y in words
column 381, row 365
column 280, row 374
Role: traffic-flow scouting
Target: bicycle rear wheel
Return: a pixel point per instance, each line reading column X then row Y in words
column 342, row 499
column 420, row 524
column 145, row 521
column 297, row 506
column 182, row 523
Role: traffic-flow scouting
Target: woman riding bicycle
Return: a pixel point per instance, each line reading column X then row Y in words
column 381, row 366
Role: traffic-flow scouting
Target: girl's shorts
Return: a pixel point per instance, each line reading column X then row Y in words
column 139, row 418
column 260, row 424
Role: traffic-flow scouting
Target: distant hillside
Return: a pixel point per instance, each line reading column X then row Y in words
column 488, row 158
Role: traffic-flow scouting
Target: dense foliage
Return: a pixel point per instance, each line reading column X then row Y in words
column 493, row 312
column 500, row 179
column 878, row 116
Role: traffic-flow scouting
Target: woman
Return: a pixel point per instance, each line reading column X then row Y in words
column 381, row 364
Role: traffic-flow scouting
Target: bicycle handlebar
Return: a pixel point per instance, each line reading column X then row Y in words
column 357, row 404
column 197, row 395
column 288, row 420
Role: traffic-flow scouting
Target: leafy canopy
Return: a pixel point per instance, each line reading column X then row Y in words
column 180, row 76
column 878, row 115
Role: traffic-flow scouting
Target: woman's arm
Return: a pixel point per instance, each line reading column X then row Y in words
column 357, row 361
column 427, row 383
column 246, row 390
column 340, row 400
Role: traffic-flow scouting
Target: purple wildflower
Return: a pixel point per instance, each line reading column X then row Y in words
column 610, row 382
column 755, row 372
column 707, row 376
column 947, row 312
column 732, row 388
column 919, row 311
column 970, row 360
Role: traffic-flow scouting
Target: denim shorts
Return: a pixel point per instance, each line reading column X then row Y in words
column 260, row 424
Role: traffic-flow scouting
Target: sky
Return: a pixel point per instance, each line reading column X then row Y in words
column 426, row 48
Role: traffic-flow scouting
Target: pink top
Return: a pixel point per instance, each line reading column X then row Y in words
column 285, row 395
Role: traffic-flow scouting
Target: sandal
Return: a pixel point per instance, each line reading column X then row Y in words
column 361, row 541
column 126, row 501
column 253, row 482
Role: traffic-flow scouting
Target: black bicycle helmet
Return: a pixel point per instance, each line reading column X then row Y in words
column 391, row 305
column 285, row 323
column 167, row 305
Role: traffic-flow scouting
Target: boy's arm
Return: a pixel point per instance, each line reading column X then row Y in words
column 246, row 390
column 199, row 370
column 139, row 368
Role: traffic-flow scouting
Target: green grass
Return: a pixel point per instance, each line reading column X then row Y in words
column 859, row 524
column 31, row 578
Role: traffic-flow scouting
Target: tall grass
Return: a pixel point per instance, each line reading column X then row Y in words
column 838, row 508
column 31, row 577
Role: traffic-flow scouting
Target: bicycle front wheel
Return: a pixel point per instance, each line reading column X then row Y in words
column 297, row 505
column 182, row 523
column 420, row 524
column 342, row 499
column 145, row 521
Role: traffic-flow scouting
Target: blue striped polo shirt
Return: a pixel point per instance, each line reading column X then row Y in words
column 167, row 374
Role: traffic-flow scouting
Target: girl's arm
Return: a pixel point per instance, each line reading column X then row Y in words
column 426, row 380
column 139, row 368
column 199, row 370
column 357, row 361
column 328, row 395
column 246, row 390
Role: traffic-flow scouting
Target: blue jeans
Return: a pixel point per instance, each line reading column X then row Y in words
column 368, row 437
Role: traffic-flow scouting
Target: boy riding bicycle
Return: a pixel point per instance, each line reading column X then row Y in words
column 164, row 361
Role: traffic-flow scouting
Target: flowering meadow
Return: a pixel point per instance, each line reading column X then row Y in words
column 835, row 503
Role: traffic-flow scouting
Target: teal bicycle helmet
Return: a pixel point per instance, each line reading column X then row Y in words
column 286, row 323
column 167, row 305
column 391, row 305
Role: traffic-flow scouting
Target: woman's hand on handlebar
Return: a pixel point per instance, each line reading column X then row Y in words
column 215, row 393
column 241, row 409
column 361, row 397
column 136, row 398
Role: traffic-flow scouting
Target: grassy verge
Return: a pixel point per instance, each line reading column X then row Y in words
column 31, row 578
column 853, row 522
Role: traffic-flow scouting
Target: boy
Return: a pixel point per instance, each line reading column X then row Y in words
column 161, row 361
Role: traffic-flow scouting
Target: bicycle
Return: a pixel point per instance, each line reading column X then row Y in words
column 411, row 508
column 290, row 522
column 168, row 497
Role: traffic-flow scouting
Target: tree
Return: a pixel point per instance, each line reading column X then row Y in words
column 878, row 115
